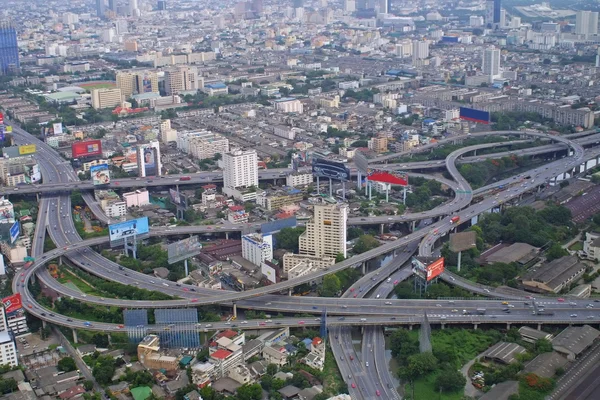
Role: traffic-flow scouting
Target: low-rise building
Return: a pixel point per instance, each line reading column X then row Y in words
column 257, row 248
column 299, row 179
column 277, row 356
column 138, row 198
column 504, row 352
column 555, row 275
column 274, row 199
column 574, row 340
column 225, row 360
column 150, row 356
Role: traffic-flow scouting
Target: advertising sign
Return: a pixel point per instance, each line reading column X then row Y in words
column 27, row 149
column 9, row 129
column 149, row 159
column 419, row 268
column 470, row 114
column 14, row 232
column 12, row 304
column 277, row 225
column 100, row 174
column 1, row 118
column 330, row 169
column 183, row 249
column 146, row 84
column 435, row 269
column 175, row 197
column 7, row 214
column 58, row 128
column 268, row 272
column 122, row 230
column 86, row 148
column 393, row 178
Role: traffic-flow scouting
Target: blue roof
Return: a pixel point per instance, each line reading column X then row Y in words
column 307, row 341
column 285, row 99
column 218, row 85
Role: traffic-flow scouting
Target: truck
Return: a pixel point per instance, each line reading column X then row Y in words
column 541, row 312
column 454, row 220
column 481, row 311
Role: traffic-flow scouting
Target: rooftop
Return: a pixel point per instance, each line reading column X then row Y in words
column 576, row 338
column 545, row 364
column 221, row 354
column 505, row 352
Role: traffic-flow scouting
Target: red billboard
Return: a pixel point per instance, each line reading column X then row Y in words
column 1, row 118
column 435, row 268
column 12, row 303
column 387, row 177
column 86, row 148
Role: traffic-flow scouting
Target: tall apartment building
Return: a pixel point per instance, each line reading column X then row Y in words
column 325, row 234
column 257, row 248
column 240, row 171
column 100, row 8
column 586, row 23
column 135, row 82
column 167, row 134
column 106, row 98
column 9, row 49
column 420, row 51
column 8, row 350
column 492, row 13
column 289, row 105
column 182, row 79
column 202, row 144
column 378, row 144
column 491, row 61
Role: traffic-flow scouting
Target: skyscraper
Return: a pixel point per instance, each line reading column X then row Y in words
column 161, row 5
column 240, row 171
column 492, row 12
column 491, row 61
column 112, row 5
column 325, row 234
column 384, row 6
column 100, row 8
column 586, row 23
column 9, row 50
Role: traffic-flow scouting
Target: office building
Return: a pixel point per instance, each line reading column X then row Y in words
column 240, row 174
column 491, row 62
column 100, row 8
column 492, row 13
column 137, row 82
column 9, row 50
column 378, row 144
column 382, row 6
column 586, row 23
column 182, row 79
column 161, row 5
column 349, row 6
column 325, row 234
column 150, row 356
column 148, row 159
column 202, row 144
column 8, row 350
column 112, row 5
column 126, row 83
column 257, row 248
column 133, row 8
column 106, row 98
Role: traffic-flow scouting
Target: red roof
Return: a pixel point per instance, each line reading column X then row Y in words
column 74, row 391
column 317, row 341
column 209, row 186
column 236, row 208
column 221, row 354
column 229, row 334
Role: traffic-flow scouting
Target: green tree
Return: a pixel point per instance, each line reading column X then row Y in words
column 104, row 369
column 543, row 346
column 67, row 364
column 271, row 369
column 249, row 392
column 556, row 251
column 203, row 355
column 364, row 244
column 287, row 238
column 450, row 380
column 339, row 258
column 331, row 285
column 88, row 385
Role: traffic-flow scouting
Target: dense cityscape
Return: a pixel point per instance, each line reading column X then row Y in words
column 299, row 200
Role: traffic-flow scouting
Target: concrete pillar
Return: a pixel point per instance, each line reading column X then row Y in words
column 290, row 292
column 459, row 259
column 75, row 336
column 227, row 235
column 44, row 324
column 539, row 327
column 410, row 327
column 507, row 325
column 475, row 326
column 413, row 225
column 443, row 326
column 381, row 227
column 109, row 338
column 37, row 197
column 235, row 310
column 60, row 260
column 364, row 268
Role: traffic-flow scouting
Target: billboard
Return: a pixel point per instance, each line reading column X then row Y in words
column 86, row 148
column 146, row 84
column 149, row 158
column 470, row 114
column 330, row 169
column 1, row 118
column 393, row 178
column 183, row 249
column 100, row 174
column 268, row 272
column 180, row 200
column 14, row 232
column 435, row 269
column 276, row 226
column 57, row 128
column 27, row 149
column 7, row 214
column 122, row 230
column 12, row 304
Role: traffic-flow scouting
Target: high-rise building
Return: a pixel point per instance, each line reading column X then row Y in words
column 491, row 61
column 325, row 234
column 9, row 49
column 182, row 79
column 100, row 8
column 492, row 13
column 420, row 50
column 8, row 350
column 257, row 248
column 240, row 171
column 349, row 6
column 148, row 159
column 136, row 82
column 133, row 8
column 106, row 98
column 112, row 5
column 161, row 5
column 383, row 6
column 586, row 23
column 126, row 82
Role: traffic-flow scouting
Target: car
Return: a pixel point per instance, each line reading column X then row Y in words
column 353, row 385
column 396, row 282
column 300, row 322
column 388, row 303
column 351, row 357
column 194, row 300
column 315, row 307
column 69, row 319
column 377, row 392
column 560, row 300
column 511, row 306
column 573, row 315
column 455, row 310
column 505, row 303
column 121, row 326
column 262, row 324
column 186, row 289
column 341, row 318
column 366, row 364
column 393, row 318
column 244, row 322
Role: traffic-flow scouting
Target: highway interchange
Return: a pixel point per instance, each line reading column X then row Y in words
column 56, row 210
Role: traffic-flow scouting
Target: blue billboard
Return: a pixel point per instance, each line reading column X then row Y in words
column 470, row 114
column 122, row 230
column 330, row 169
column 14, row 232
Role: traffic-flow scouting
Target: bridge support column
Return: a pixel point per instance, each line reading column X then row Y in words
column 37, row 197
column 290, row 292
column 381, row 228
column 364, row 268
column 475, row 326
column 410, row 327
column 227, row 235
column 44, row 324
column 75, row 336
column 507, row 325
column 60, row 260
column 539, row 327
column 412, row 226
column 443, row 326
column 109, row 338
column 235, row 310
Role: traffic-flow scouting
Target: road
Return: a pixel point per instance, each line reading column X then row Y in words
column 582, row 380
